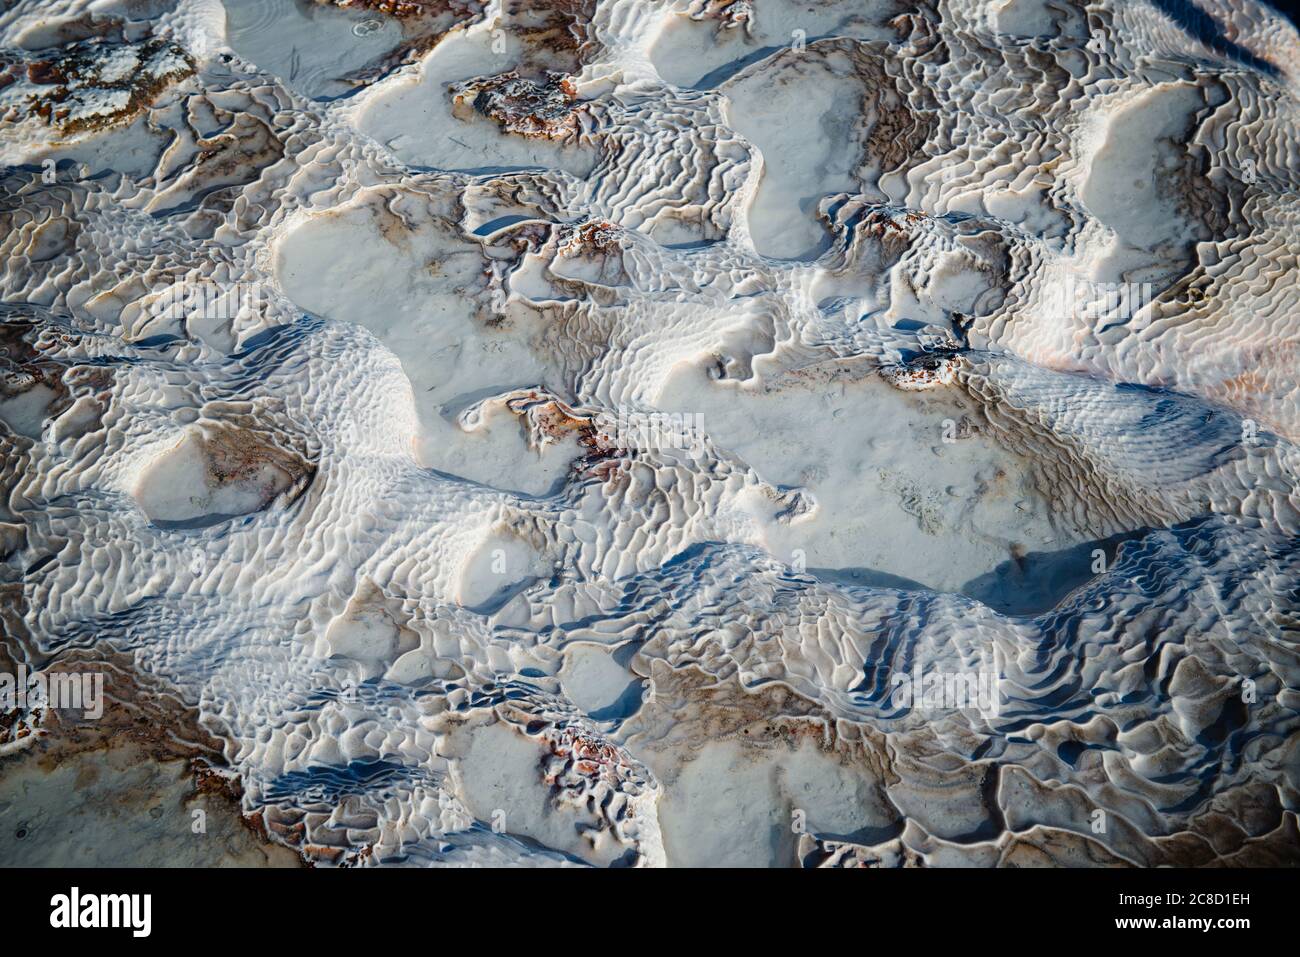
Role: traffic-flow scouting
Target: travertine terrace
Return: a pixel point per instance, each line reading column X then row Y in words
column 586, row 431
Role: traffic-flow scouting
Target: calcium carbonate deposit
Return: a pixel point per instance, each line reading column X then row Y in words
column 668, row 432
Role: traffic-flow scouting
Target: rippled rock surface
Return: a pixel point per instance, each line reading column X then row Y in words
column 668, row 432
